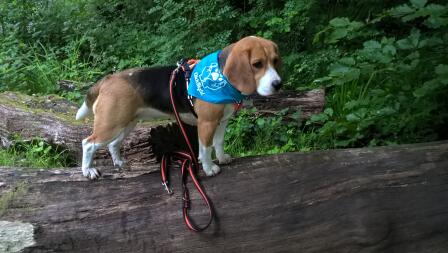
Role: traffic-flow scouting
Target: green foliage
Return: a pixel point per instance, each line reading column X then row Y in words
column 381, row 89
column 338, row 29
column 391, row 90
column 249, row 133
column 35, row 153
column 383, row 63
column 35, row 69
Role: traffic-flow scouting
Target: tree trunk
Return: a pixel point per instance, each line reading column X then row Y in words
column 52, row 118
column 388, row 199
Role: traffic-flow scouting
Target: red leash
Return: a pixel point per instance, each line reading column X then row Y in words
column 188, row 162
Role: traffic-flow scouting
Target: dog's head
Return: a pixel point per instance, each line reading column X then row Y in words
column 252, row 65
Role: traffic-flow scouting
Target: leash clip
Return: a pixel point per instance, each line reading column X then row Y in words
column 167, row 188
column 185, row 67
column 181, row 62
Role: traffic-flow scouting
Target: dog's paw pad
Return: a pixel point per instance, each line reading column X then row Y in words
column 225, row 159
column 91, row 173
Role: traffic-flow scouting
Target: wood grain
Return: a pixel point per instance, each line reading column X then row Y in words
column 388, row 199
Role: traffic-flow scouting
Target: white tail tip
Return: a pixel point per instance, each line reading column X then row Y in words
column 83, row 112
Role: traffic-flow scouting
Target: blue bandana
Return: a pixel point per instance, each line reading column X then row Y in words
column 209, row 84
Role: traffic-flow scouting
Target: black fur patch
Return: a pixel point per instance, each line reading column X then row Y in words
column 153, row 85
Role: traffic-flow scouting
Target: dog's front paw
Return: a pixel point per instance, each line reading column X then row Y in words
column 224, row 159
column 211, row 170
column 91, row 173
column 120, row 163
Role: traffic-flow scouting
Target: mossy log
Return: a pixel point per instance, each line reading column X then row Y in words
column 53, row 119
column 388, row 199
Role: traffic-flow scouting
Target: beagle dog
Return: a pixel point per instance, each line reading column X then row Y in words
column 119, row 100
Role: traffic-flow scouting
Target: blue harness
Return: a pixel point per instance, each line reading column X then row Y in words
column 209, row 84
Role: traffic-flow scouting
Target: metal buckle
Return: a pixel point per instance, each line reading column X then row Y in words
column 181, row 62
column 190, row 98
column 167, row 188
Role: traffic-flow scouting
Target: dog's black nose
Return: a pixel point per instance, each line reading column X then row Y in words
column 277, row 84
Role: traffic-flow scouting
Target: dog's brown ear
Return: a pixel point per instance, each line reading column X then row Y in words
column 239, row 71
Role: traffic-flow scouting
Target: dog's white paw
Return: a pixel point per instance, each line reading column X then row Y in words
column 212, row 170
column 91, row 173
column 119, row 163
column 224, row 159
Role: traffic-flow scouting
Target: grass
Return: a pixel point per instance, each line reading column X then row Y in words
column 35, row 154
column 252, row 134
column 37, row 69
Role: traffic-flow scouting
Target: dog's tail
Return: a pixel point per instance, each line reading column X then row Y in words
column 86, row 108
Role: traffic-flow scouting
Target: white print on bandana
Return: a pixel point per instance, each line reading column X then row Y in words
column 210, row 78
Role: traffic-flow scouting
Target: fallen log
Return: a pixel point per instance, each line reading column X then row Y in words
column 308, row 103
column 52, row 118
column 388, row 199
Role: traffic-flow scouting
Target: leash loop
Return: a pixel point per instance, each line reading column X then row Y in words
column 187, row 160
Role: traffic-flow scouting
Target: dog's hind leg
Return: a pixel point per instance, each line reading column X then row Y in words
column 115, row 113
column 103, row 135
column 88, row 151
column 114, row 146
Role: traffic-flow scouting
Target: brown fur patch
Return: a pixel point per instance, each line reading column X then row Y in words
column 93, row 92
column 115, row 107
column 209, row 116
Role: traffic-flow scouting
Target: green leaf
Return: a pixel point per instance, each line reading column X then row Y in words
column 329, row 111
column 372, row 45
column 336, row 35
column 385, row 111
column 420, row 92
column 389, row 49
column 321, row 117
column 351, row 104
column 442, row 72
column 350, row 61
column 442, row 69
column 436, row 22
column 340, row 22
column 352, row 117
column 343, row 74
column 261, row 122
column 296, row 115
column 401, row 10
column 419, row 3
column 418, row 14
column 411, row 42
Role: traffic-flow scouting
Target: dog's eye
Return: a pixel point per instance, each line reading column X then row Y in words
column 257, row 64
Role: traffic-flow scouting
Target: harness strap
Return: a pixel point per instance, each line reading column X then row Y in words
column 187, row 67
column 188, row 162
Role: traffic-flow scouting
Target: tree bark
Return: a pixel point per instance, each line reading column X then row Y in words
column 388, row 199
column 52, row 118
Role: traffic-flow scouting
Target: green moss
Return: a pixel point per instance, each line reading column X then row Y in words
column 52, row 106
column 56, row 107
column 19, row 190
